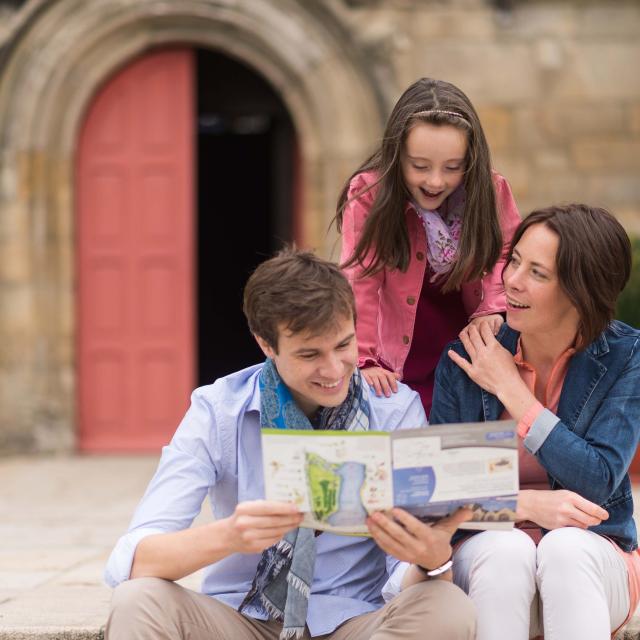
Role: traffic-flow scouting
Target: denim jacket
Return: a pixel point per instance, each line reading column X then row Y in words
column 588, row 446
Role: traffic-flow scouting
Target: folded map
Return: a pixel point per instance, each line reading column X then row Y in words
column 337, row 478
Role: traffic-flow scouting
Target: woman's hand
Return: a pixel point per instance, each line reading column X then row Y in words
column 494, row 320
column 561, row 508
column 383, row 381
column 401, row 535
column 490, row 362
column 492, row 367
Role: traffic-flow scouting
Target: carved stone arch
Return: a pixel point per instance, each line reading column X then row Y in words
column 59, row 56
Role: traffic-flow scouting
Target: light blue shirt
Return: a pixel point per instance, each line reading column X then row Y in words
column 217, row 451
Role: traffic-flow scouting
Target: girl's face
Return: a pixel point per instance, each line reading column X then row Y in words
column 433, row 163
column 536, row 303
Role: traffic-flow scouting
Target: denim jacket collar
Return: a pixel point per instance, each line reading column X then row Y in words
column 585, row 371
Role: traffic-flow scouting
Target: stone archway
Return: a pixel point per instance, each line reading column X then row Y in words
column 63, row 52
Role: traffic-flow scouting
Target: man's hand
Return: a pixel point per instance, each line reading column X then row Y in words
column 560, row 508
column 252, row 527
column 401, row 535
column 259, row 524
column 383, row 381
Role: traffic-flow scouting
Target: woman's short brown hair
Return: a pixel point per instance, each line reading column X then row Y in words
column 593, row 260
column 297, row 291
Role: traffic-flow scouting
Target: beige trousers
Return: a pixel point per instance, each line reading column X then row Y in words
column 155, row 609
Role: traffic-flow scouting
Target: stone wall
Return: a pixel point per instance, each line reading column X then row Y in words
column 555, row 82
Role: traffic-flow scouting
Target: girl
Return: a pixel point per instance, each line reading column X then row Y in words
column 570, row 377
column 423, row 223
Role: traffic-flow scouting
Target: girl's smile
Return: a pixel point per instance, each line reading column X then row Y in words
column 433, row 162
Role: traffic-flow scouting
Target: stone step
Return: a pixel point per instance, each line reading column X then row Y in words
column 630, row 632
column 47, row 633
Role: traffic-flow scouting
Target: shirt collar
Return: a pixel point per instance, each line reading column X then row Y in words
column 521, row 362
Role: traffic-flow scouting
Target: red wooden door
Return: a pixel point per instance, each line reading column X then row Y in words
column 135, row 228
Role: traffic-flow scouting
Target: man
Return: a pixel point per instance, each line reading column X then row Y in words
column 266, row 578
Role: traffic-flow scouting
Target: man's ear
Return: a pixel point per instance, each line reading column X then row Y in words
column 265, row 346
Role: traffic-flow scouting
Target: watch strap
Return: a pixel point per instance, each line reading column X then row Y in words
column 433, row 573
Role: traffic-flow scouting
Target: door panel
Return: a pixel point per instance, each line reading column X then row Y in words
column 135, row 274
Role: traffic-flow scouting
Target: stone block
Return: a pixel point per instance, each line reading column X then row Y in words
column 567, row 120
column 515, row 168
column 556, row 187
column 551, row 159
column 596, row 71
column 606, row 154
column 529, row 20
column 489, row 73
column 630, row 218
column 15, row 265
column 528, row 130
column 497, row 123
column 634, row 119
column 449, row 22
column 16, row 311
column 617, row 190
column 614, row 20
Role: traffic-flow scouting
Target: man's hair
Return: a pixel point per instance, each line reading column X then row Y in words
column 296, row 291
column 593, row 261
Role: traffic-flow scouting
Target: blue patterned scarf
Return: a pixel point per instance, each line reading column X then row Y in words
column 283, row 579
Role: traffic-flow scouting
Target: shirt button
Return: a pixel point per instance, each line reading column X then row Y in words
column 411, row 300
column 420, row 255
column 405, row 339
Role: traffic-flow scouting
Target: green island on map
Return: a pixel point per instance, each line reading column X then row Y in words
column 324, row 485
column 335, row 490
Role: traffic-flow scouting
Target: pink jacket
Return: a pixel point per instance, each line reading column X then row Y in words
column 386, row 302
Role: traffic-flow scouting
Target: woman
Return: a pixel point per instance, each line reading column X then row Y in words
column 569, row 376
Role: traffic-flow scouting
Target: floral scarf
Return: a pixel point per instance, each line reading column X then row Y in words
column 443, row 232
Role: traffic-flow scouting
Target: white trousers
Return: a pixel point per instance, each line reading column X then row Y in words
column 574, row 584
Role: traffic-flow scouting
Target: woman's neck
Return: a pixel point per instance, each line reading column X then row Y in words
column 542, row 351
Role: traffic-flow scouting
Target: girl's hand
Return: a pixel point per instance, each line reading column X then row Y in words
column 401, row 535
column 492, row 367
column 494, row 321
column 383, row 381
column 561, row 508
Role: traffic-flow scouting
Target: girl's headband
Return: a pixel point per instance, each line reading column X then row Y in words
column 449, row 113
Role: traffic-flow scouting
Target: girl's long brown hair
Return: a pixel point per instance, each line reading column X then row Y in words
column 384, row 243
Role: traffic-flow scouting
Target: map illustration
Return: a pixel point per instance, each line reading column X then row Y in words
column 337, row 478
column 335, row 490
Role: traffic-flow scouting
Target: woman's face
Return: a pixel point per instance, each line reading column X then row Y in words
column 432, row 161
column 536, row 304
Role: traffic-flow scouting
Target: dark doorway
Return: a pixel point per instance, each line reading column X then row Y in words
column 246, row 149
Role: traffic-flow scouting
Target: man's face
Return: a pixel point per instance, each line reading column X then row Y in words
column 316, row 368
